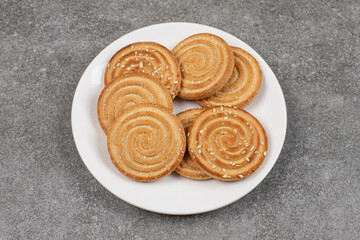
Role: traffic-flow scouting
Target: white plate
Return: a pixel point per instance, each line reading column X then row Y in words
column 172, row 194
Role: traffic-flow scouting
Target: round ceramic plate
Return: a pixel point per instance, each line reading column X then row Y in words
column 172, row 194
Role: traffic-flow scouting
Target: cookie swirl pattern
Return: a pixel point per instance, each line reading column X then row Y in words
column 146, row 57
column 128, row 91
column 228, row 144
column 243, row 85
column 146, row 142
column 206, row 64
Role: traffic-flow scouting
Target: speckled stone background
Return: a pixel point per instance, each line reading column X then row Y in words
column 313, row 192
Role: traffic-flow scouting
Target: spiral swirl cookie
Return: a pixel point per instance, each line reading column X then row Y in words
column 228, row 144
column 243, row 85
column 188, row 167
column 127, row 91
column 146, row 142
column 206, row 64
column 146, row 57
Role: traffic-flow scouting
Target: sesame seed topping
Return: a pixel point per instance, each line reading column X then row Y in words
column 247, row 159
column 223, row 170
column 221, row 108
column 199, row 146
column 214, row 110
column 132, row 46
column 118, row 64
column 212, row 153
column 199, row 150
column 265, row 153
column 188, row 134
column 226, row 118
column 201, row 132
column 175, row 82
column 262, row 143
column 213, row 166
column 243, row 152
column 240, row 176
column 252, row 148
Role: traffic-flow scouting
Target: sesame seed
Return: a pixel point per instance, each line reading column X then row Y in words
column 214, row 110
column 188, row 134
column 256, row 152
column 226, row 118
column 240, row 176
column 252, row 148
column 212, row 153
column 199, row 150
column 225, row 176
column 175, row 82
column 201, row 132
column 247, row 159
column 265, row 153
column 262, row 143
column 199, row 146
column 221, row 108
column 118, row 64
column 243, row 152
column 213, row 166
column 223, row 170
column 132, row 46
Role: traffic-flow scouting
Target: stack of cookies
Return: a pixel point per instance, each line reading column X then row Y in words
column 146, row 141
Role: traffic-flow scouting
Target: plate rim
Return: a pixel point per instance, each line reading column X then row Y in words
column 159, row 211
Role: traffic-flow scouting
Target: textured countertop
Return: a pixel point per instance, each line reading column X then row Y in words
column 313, row 191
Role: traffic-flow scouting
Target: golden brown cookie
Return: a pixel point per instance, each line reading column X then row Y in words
column 127, row 91
column 146, row 142
column 188, row 167
column 206, row 64
column 146, row 57
column 228, row 144
column 243, row 86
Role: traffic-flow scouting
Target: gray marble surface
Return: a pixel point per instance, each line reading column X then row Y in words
column 313, row 191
